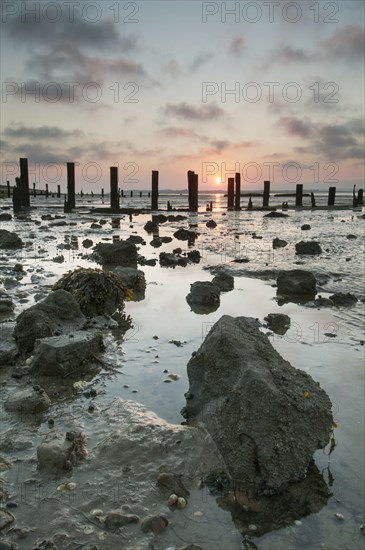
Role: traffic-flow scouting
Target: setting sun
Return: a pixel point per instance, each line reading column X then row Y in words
column 218, row 180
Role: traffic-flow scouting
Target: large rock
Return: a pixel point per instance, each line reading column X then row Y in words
column 55, row 453
column 309, row 248
column 168, row 259
column 340, row 299
column 131, row 278
column 223, row 281
column 278, row 322
column 266, row 417
column 119, row 253
column 204, row 297
column 9, row 239
column 6, row 303
column 8, row 347
column 28, row 401
column 296, row 284
column 58, row 313
column 185, row 235
column 66, row 354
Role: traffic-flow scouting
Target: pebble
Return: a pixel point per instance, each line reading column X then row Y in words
column 181, row 503
column 252, row 527
column 198, row 514
column 114, row 520
column 172, row 499
column 340, row 517
column 154, row 523
column 362, row 529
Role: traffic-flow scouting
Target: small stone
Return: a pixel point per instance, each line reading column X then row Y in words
column 252, row 527
column 339, row 516
column 181, row 503
column 198, row 514
column 154, row 523
column 114, row 520
column 362, row 529
column 172, row 499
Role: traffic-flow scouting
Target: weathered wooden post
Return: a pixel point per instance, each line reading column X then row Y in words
column 360, row 197
column 193, row 191
column 131, row 193
column 34, row 190
column 17, row 196
column 102, row 193
column 237, row 198
column 122, row 193
column 71, row 185
column 8, row 188
column 58, row 191
column 211, row 206
column 230, row 200
column 46, row 190
column 266, row 197
column 299, row 195
column 114, row 199
column 354, row 197
column 313, row 200
column 331, row 196
column 24, row 182
column 154, row 199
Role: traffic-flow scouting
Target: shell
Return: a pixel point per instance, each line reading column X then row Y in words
column 172, row 499
column 181, row 503
column 96, row 512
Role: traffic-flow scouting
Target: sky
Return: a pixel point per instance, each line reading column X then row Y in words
column 271, row 89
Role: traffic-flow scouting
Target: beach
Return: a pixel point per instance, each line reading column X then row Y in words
column 325, row 342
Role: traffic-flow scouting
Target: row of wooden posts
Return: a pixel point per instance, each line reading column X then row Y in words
column 21, row 191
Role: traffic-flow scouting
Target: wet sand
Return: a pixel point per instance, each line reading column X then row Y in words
column 335, row 361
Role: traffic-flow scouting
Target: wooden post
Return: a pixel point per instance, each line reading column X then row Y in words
column 58, row 191
column 102, row 193
column 299, row 195
column 71, row 185
column 114, row 199
column 360, row 197
column 230, row 200
column 354, row 199
column 154, row 199
column 17, row 198
column 211, row 206
column 122, row 193
column 237, row 198
column 131, row 193
column 193, row 191
column 266, row 197
column 313, row 200
column 331, row 196
column 46, row 190
column 8, row 188
column 24, row 182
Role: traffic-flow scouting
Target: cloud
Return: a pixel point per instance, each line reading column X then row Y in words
column 341, row 141
column 296, row 127
column 27, row 31
column 190, row 112
column 200, row 60
column 40, row 133
column 237, row 45
column 346, row 43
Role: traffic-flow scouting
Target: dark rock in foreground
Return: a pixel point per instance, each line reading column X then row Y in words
column 223, row 281
column 204, row 297
column 9, row 239
column 296, row 284
column 119, row 253
column 278, row 322
column 309, row 248
column 266, row 417
column 59, row 312
column 278, row 243
column 65, row 355
column 343, row 300
column 185, row 235
column 172, row 260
